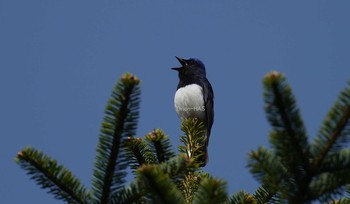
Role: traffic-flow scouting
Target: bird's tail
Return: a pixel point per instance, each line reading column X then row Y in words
column 204, row 157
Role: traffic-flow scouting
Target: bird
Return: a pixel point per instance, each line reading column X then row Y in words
column 194, row 98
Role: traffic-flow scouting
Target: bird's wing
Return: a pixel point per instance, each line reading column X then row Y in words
column 209, row 104
column 208, row 97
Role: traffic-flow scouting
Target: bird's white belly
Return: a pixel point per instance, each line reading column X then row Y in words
column 189, row 102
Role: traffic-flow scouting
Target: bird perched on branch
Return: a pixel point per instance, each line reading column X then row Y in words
column 194, row 97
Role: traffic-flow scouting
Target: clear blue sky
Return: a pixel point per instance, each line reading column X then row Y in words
column 59, row 60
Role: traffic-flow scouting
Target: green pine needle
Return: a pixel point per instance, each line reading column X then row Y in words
column 288, row 132
column 161, row 188
column 137, row 153
column 266, row 194
column 326, row 186
column 265, row 166
column 193, row 139
column 336, row 161
column 160, row 145
column 177, row 167
column 131, row 194
column 334, row 133
column 211, row 191
column 181, row 171
column 189, row 186
column 56, row 178
column 119, row 123
column 242, row 197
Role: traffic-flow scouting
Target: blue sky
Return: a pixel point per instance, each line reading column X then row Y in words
column 61, row 59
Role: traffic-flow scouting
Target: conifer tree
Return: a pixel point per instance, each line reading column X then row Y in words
column 294, row 170
column 108, row 182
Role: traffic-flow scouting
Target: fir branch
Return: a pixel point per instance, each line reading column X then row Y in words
column 193, row 145
column 211, row 191
column 137, row 153
column 335, row 130
column 326, row 186
column 193, row 139
column 181, row 170
column 119, row 123
column 49, row 175
column 267, row 168
column 161, row 189
column 335, row 161
column 160, row 145
column 189, row 186
column 266, row 194
column 242, row 197
column 289, row 136
column 131, row 194
column 177, row 167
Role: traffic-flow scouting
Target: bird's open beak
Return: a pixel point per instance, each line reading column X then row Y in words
column 182, row 62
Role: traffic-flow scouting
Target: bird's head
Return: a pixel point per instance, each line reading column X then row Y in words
column 191, row 66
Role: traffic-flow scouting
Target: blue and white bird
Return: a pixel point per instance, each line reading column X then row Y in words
column 194, row 97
